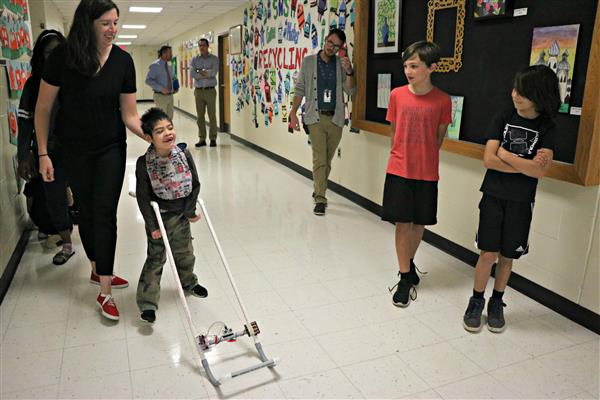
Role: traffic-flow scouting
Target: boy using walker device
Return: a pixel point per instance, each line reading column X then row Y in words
column 167, row 193
column 167, row 175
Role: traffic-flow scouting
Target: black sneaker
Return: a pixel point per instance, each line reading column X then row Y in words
column 213, row 143
column 405, row 292
column 201, row 143
column 319, row 209
column 414, row 277
column 472, row 317
column 148, row 316
column 495, row 315
column 199, row 291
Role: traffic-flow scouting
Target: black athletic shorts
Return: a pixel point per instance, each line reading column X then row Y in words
column 504, row 226
column 409, row 200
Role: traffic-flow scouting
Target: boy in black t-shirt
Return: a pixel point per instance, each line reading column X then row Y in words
column 518, row 152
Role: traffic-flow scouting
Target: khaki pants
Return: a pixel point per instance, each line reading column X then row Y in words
column 206, row 99
column 180, row 240
column 164, row 102
column 325, row 137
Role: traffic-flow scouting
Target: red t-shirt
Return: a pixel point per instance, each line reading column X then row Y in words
column 415, row 153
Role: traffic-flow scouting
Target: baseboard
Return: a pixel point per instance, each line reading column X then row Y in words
column 548, row 298
column 13, row 263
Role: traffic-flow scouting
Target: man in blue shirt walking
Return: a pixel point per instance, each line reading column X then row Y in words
column 160, row 79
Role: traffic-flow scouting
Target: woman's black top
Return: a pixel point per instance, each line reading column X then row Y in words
column 89, row 117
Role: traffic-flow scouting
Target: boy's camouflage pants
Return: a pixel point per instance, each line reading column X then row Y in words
column 180, row 239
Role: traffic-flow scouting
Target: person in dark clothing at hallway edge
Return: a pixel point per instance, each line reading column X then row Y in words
column 53, row 215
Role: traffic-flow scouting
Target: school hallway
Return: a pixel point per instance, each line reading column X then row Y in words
column 318, row 288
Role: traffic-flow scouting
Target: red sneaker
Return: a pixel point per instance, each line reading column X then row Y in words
column 108, row 306
column 117, row 282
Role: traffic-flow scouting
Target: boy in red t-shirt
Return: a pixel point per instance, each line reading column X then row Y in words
column 419, row 114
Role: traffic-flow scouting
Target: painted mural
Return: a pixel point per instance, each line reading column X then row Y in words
column 15, row 30
column 276, row 36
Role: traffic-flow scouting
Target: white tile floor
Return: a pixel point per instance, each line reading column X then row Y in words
column 316, row 285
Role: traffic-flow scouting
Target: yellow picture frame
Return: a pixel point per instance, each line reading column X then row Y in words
column 454, row 63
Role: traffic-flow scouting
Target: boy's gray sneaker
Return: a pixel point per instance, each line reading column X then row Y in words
column 472, row 317
column 495, row 315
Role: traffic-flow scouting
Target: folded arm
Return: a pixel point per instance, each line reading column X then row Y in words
column 492, row 161
column 536, row 168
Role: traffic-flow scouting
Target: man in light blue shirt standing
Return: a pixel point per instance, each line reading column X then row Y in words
column 204, row 69
column 160, row 79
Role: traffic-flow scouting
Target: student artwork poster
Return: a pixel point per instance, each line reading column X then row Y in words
column 555, row 47
column 384, row 85
column 276, row 35
column 457, row 109
column 12, row 111
column 386, row 23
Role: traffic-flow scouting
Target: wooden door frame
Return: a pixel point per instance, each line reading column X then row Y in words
column 224, row 127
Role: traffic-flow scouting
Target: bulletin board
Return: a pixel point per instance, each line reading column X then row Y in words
column 492, row 51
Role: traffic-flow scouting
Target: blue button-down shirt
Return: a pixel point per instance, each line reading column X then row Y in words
column 208, row 63
column 158, row 77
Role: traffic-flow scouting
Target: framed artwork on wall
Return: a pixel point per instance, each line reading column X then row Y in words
column 386, row 26
column 235, row 39
column 384, row 87
column 208, row 36
column 457, row 109
column 454, row 63
column 486, row 9
column 555, row 46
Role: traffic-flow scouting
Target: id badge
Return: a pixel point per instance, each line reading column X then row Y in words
column 326, row 96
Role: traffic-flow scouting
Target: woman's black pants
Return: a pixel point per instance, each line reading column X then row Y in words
column 96, row 179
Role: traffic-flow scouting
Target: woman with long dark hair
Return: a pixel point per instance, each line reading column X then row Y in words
column 94, row 82
column 51, row 215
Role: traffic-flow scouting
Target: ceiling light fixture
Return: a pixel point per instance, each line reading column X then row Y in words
column 122, row 43
column 127, row 36
column 134, row 26
column 145, row 9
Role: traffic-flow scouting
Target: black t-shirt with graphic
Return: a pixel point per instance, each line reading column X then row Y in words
column 89, row 117
column 523, row 137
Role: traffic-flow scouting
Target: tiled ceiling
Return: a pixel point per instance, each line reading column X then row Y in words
column 177, row 17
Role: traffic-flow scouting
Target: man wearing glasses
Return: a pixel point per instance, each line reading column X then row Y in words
column 204, row 69
column 322, row 80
